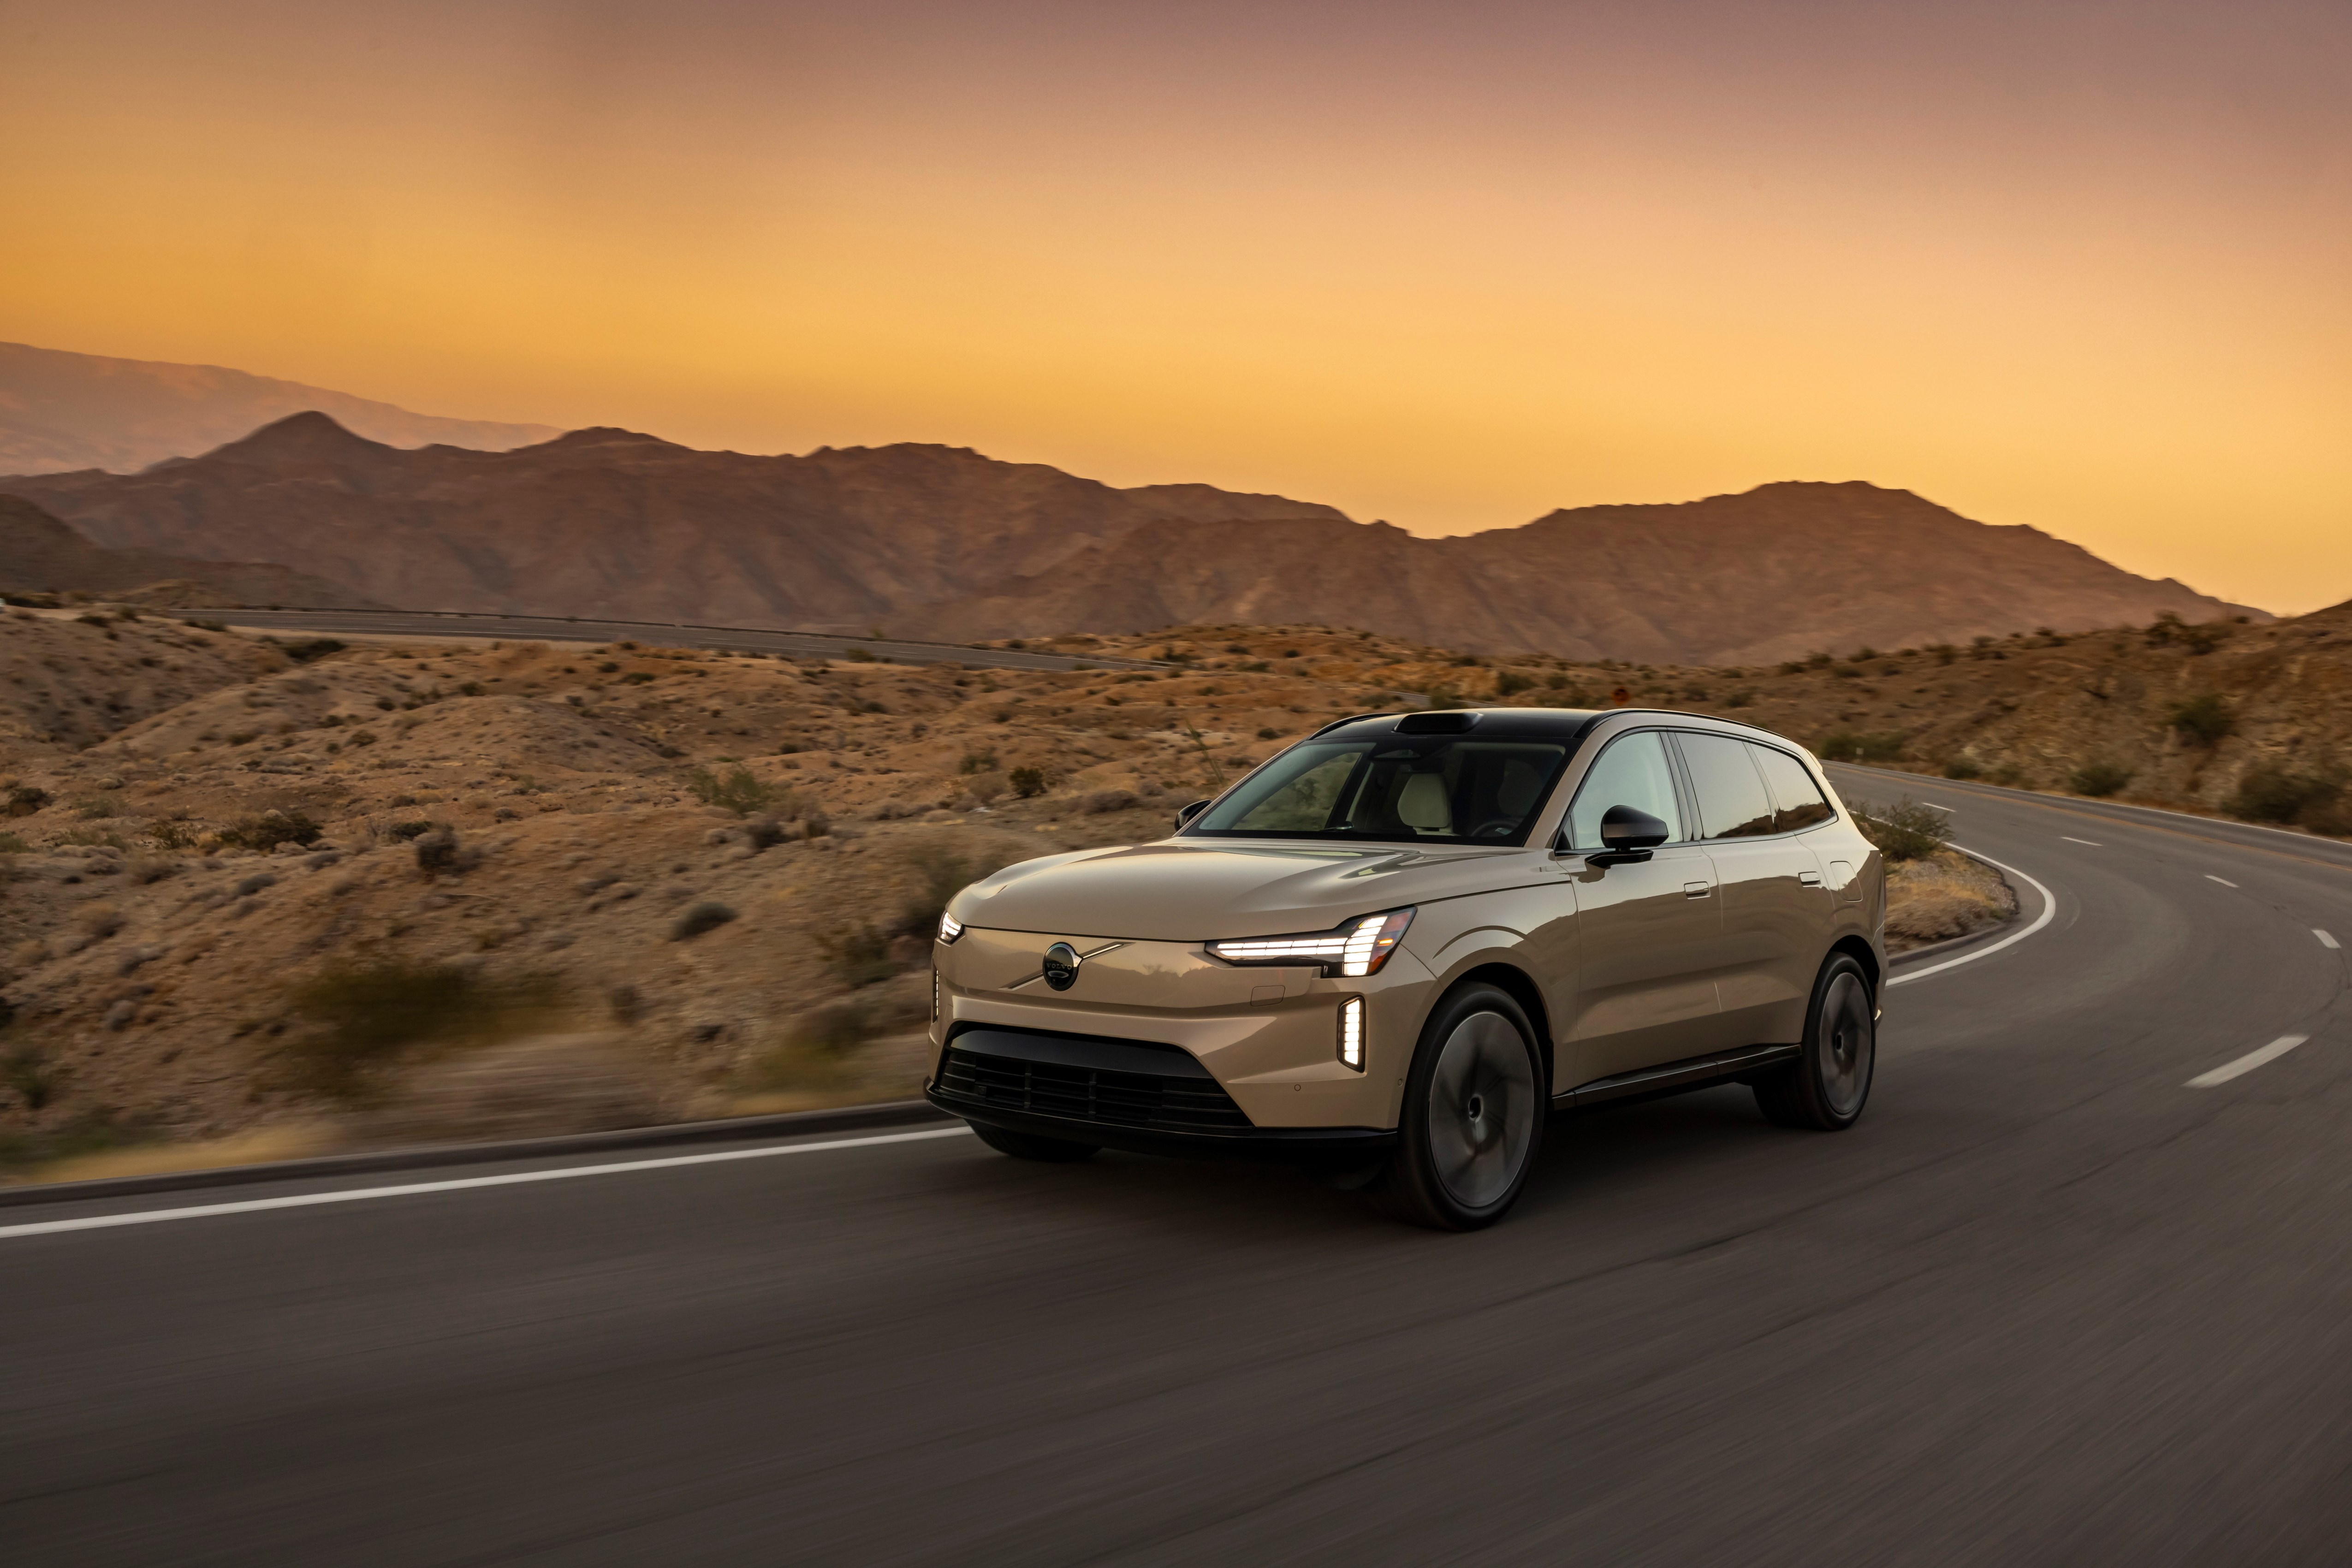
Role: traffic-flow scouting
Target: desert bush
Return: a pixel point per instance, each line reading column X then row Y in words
column 438, row 850
column 1026, row 782
column 2098, row 780
column 2204, row 719
column 985, row 787
column 311, row 650
column 1905, row 830
column 977, row 762
column 173, row 835
column 856, row 953
column 268, row 831
column 363, row 1014
column 837, row 1030
column 98, row 920
column 25, row 799
column 11, row 843
column 98, row 807
column 738, row 791
column 27, row 1071
column 145, row 870
column 1852, row 746
column 1962, row 768
column 700, row 918
column 2271, row 791
column 1510, row 683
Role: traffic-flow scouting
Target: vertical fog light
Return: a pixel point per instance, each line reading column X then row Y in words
column 1351, row 1031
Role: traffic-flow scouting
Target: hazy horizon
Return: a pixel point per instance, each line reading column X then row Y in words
column 2057, row 266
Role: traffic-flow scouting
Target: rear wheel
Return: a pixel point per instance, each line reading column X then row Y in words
column 1473, row 1116
column 1828, row 1084
column 1029, row 1146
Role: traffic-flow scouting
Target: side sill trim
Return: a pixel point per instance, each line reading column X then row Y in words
column 1673, row 1077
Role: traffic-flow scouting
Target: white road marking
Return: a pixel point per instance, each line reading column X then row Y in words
column 1936, row 805
column 2049, row 909
column 459, row 1184
column 2072, row 840
column 2246, row 1063
column 2325, row 940
column 2223, row 880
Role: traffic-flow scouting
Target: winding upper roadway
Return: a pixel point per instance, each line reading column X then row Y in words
column 2046, row 1304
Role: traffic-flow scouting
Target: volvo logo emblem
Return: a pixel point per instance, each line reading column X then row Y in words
column 1061, row 966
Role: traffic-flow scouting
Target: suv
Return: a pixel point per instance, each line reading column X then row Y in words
column 1394, row 946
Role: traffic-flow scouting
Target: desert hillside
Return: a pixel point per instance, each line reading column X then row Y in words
column 676, row 884
column 60, row 412
column 38, row 555
column 940, row 542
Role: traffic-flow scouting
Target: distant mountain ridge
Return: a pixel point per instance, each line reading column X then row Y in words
column 60, row 412
column 942, row 543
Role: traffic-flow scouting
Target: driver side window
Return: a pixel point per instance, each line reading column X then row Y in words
column 1633, row 772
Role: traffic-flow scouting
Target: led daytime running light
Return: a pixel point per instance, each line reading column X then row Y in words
column 1358, row 948
column 1351, row 1033
column 950, row 928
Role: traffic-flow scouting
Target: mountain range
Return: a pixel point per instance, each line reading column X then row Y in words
column 942, row 543
column 61, row 411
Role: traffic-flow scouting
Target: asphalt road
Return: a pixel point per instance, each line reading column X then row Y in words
column 2046, row 1304
column 655, row 634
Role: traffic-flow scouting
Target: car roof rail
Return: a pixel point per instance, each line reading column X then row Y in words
column 1355, row 718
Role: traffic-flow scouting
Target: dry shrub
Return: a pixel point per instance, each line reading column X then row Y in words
column 1904, row 831
column 268, row 831
column 363, row 1015
column 98, row 920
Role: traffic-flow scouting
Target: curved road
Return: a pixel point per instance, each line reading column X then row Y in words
column 2047, row 1304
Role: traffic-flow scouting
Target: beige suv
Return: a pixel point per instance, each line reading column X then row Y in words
column 1395, row 946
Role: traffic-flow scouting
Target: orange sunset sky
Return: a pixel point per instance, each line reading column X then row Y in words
column 2087, row 267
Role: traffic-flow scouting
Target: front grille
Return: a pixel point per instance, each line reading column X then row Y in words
column 1154, row 1101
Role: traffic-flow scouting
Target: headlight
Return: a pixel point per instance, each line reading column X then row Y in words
column 950, row 926
column 1358, row 947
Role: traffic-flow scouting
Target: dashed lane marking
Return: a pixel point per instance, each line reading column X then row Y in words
column 2247, row 1063
column 2072, row 840
column 2325, row 940
column 2223, row 880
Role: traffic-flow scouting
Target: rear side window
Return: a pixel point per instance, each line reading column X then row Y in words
column 1797, row 798
column 1731, row 799
column 1631, row 772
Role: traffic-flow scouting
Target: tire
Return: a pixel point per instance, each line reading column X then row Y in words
column 1826, row 1087
column 1029, row 1146
column 1472, row 1123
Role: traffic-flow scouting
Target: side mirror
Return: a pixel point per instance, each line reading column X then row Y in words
column 1627, row 835
column 1186, row 814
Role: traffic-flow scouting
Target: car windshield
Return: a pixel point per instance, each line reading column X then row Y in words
column 1421, row 789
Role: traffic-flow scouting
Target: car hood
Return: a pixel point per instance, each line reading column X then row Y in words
column 1186, row 891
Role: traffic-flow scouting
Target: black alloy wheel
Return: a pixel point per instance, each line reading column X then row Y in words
column 1472, row 1122
column 1826, row 1087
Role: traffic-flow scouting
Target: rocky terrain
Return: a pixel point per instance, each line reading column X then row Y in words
column 941, row 541
column 60, row 412
column 266, row 897
column 38, row 555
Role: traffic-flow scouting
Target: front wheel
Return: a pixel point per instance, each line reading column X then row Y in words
column 1473, row 1116
column 1828, row 1084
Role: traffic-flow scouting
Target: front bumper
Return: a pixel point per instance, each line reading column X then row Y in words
column 1121, row 1094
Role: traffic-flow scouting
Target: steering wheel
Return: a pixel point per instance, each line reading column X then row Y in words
column 1496, row 827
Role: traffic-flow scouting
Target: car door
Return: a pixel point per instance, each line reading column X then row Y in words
column 1644, row 929
column 1775, row 911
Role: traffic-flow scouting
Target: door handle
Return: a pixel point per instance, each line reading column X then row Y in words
column 1696, row 889
column 1809, row 879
